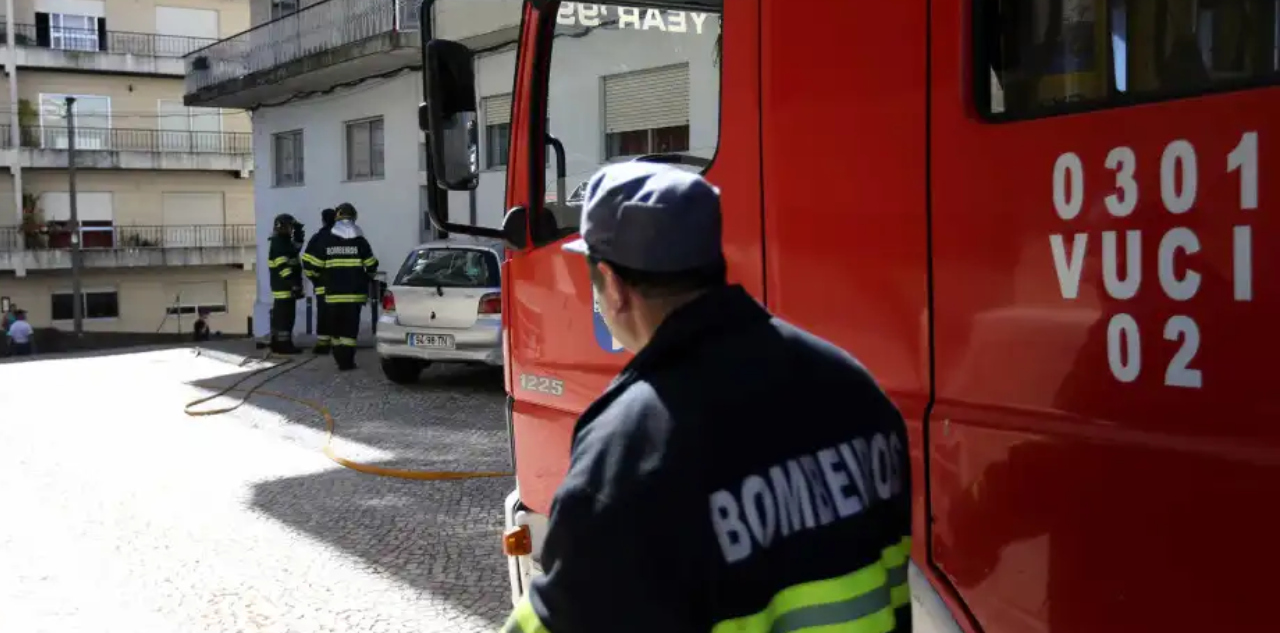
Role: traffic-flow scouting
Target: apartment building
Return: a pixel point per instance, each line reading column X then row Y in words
column 164, row 192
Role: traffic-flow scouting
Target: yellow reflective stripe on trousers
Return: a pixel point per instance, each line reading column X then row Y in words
column 342, row 341
column 895, row 559
column 282, row 294
column 328, row 298
column 853, row 603
column 524, row 619
column 346, row 262
column 277, row 262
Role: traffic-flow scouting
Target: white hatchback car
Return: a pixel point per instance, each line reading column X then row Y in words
column 444, row 305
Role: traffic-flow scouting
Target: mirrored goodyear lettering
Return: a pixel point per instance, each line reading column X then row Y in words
column 593, row 15
column 542, row 384
column 1179, row 182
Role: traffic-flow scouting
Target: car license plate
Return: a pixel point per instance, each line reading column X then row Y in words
column 432, row 341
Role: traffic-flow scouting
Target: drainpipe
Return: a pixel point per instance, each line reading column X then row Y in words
column 15, row 135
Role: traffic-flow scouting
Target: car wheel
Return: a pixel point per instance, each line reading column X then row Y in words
column 403, row 371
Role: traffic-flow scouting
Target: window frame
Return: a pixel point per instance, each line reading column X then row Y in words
column 981, row 71
column 544, row 49
column 278, row 11
column 80, row 132
column 85, row 292
column 297, row 138
column 368, row 123
column 56, row 32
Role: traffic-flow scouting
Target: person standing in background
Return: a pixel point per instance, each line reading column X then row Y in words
column 349, row 264
column 286, row 281
column 313, row 264
column 21, row 335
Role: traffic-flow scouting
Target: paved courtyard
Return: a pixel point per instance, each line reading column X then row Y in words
column 123, row 515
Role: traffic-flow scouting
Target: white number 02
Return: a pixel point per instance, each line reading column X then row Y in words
column 1124, row 350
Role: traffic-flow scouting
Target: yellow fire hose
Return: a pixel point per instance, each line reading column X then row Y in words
column 329, row 423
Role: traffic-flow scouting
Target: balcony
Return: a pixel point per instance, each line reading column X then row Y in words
column 130, row 247
column 47, row 147
column 106, row 51
column 318, row 47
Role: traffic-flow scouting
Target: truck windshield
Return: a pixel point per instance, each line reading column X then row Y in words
column 449, row 268
column 626, row 81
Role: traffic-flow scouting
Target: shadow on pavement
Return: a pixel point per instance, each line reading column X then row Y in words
column 440, row 537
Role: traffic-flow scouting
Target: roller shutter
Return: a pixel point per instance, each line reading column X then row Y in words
column 647, row 99
column 91, row 206
column 197, row 294
column 497, row 110
column 194, row 220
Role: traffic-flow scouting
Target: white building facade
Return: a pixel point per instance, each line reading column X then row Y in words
column 624, row 82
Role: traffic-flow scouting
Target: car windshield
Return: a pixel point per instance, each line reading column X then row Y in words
column 450, row 268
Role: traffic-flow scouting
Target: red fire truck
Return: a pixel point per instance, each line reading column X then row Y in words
column 1041, row 224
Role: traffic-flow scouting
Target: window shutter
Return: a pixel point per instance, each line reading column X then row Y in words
column 647, row 99
column 102, row 34
column 497, row 110
column 42, row 29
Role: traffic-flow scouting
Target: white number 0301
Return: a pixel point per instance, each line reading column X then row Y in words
column 1179, row 188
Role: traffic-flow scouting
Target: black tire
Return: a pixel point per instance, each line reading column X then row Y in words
column 403, row 371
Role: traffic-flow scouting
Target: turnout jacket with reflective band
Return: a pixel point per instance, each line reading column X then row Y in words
column 313, row 259
column 740, row 475
column 284, row 267
column 348, row 264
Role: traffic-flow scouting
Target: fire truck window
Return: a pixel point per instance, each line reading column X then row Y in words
column 628, row 81
column 1043, row 57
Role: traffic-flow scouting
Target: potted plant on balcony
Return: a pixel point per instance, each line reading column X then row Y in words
column 35, row 230
column 29, row 123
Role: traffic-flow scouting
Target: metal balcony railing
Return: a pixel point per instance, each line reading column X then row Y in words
column 322, row 26
column 92, row 41
column 52, row 236
column 91, row 139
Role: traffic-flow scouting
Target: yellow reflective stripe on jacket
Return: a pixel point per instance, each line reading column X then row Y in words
column 282, row 294
column 524, row 619
column 895, row 559
column 345, row 298
column 310, row 273
column 312, row 259
column 277, row 262
column 371, row 262
column 288, row 272
column 319, row 291
column 853, row 603
column 345, row 262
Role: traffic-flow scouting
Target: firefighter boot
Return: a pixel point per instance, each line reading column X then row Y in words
column 345, row 356
column 282, row 343
column 322, row 346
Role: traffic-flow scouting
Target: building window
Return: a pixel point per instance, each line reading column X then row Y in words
column 192, row 297
column 92, row 119
column 497, row 130
column 647, row 112
column 364, row 150
column 287, row 150
column 98, row 304
column 73, row 32
column 281, row 8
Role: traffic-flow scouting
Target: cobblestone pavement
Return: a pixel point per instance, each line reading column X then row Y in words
column 122, row 514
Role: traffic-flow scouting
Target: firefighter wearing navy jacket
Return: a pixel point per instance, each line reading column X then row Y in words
column 313, row 265
column 285, row 270
column 349, row 266
column 740, row 475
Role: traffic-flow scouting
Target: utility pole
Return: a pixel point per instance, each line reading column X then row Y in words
column 77, row 293
column 15, row 136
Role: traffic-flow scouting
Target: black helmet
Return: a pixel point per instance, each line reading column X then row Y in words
column 346, row 211
column 327, row 217
column 284, row 224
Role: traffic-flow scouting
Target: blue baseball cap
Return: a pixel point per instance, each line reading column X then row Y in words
column 650, row 217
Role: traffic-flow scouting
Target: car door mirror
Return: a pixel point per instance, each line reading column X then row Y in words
column 449, row 115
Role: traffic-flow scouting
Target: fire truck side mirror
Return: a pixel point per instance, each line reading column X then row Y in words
column 449, row 115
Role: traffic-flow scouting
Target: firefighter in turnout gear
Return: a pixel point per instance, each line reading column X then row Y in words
column 313, row 265
column 348, row 267
column 285, row 270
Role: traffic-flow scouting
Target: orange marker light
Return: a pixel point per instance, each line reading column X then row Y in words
column 517, row 541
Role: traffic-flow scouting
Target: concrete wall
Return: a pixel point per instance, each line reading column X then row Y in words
column 389, row 207
column 139, row 16
column 143, row 296
column 135, row 101
column 462, row 19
